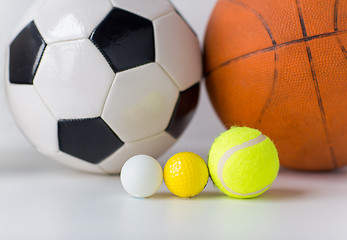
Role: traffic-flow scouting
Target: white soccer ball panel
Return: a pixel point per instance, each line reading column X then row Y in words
column 27, row 18
column 69, row 79
column 66, row 20
column 75, row 163
column 140, row 103
column 73, row 79
column 31, row 114
column 178, row 50
column 153, row 146
column 150, row 9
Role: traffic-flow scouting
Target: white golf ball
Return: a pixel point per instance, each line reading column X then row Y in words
column 141, row 176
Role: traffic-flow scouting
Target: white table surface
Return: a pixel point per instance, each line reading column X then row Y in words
column 40, row 199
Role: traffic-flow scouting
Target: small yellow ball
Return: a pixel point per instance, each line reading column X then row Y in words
column 243, row 162
column 186, row 174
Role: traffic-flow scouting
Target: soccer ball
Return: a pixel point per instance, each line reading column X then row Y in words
column 92, row 83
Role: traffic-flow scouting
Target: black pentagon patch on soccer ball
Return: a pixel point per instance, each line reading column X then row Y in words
column 26, row 52
column 88, row 139
column 184, row 111
column 125, row 39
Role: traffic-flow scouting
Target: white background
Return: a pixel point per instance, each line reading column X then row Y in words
column 40, row 199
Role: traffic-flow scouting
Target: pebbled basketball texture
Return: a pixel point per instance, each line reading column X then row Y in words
column 281, row 66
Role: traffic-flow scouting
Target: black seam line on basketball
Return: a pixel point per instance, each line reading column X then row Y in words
column 272, row 92
column 336, row 27
column 336, row 11
column 316, row 85
column 321, row 106
column 343, row 49
column 277, row 46
column 301, row 18
column 267, row 27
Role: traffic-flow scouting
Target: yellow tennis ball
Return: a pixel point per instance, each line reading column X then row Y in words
column 186, row 174
column 243, row 163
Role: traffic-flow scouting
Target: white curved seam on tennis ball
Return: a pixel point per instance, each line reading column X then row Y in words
column 229, row 153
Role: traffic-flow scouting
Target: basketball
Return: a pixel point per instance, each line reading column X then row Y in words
column 281, row 66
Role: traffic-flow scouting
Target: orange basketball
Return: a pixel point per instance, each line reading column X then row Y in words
column 281, row 66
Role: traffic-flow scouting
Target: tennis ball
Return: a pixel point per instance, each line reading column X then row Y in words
column 243, row 163
column 186, row 174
